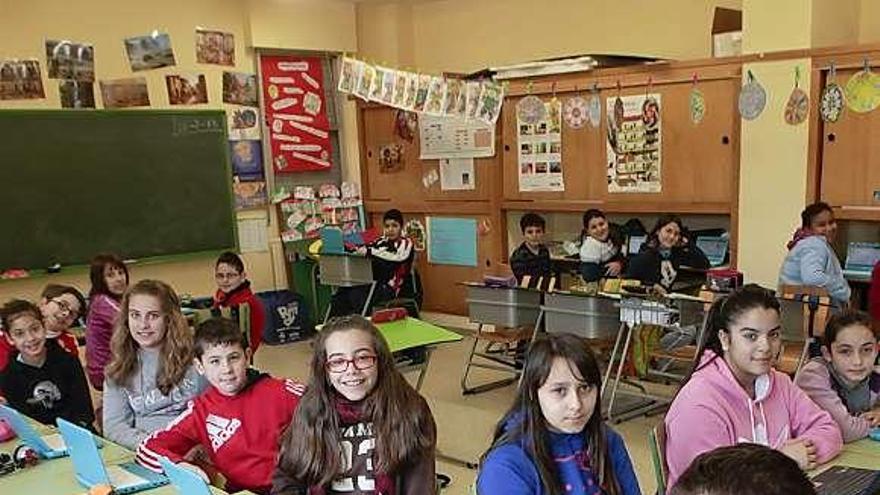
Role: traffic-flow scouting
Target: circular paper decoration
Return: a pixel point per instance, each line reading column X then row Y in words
column 531, row 110
column 594, row 110
column 415, row 231
column 797, row 107
column 831, row 102
column 752, row 99
column 861, row 92
column 697, row 106
column 575, row 112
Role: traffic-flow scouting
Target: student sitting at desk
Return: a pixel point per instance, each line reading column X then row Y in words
column 843, row 380
column 234, row 289
column 734, row 395
column 392, row 257
column 109, row 278
column 532, row 257
column 600, row 253
column 43, row 381
column 238, row 420
column 360, row 427
column 811, row 259
column 659, row 261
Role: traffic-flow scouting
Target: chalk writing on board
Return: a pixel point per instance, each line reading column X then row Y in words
column 196, row 125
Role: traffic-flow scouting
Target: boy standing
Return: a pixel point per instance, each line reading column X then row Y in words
column 532, row 257
column 43, row 381
column 238, row 420
column 234, row 289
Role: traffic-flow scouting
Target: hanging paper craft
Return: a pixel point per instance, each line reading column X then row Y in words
column 437, row 93
column 472, row 97
column 491, row 98
column 697, row 104
column 405, row 124
column 365, row 81
column 540, row 151
column 349, row 71
column 594, row 107
column 832, row 100
column 531, row 110
column 415, row 232
column 634, row 144
column 455, row 98
column 294, row 109
column 798, row 105
column 575, row 111
column 862, row 93
column 752, row 98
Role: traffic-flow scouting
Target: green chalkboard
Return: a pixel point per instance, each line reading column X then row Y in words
column 138, row 183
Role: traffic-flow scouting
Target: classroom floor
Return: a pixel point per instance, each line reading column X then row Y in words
column 465, row 423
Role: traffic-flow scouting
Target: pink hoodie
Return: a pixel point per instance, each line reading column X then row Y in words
column 713, row 410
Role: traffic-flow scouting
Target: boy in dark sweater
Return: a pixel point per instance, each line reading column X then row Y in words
column 238, row 420
column 43, row 381
column 532, row 257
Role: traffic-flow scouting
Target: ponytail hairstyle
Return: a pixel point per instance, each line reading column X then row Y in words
column 723, row 313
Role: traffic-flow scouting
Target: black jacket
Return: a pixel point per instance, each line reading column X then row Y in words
column 647, row 266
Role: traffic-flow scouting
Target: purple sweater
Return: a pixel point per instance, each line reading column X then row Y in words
column 713, row 410
column 815, row 380
column 103, row 311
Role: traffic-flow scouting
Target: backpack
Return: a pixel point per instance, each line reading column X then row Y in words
column 287, row 317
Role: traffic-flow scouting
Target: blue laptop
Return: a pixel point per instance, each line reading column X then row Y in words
column 184, row 481
column 714, row 247
column 331, row 241
column 48, row 446
column 91, row 470
column 861, row 258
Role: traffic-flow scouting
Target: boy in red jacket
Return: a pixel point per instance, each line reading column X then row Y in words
column 234, row 289
column 238, row 420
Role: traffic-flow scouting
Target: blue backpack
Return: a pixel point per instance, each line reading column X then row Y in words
column 287, row 317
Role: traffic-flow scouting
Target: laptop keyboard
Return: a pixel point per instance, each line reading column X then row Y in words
column 121, row 477
column 843, row 480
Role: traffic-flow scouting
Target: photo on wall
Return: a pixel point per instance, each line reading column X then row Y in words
column 186, row 89
column 149, row 52
column 76, row 94
column 69, row 60
column 21, row 80
column 215, row 47
column 240, row 88
column 125, row 93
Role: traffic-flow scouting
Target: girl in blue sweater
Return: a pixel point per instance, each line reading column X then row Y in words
column 553, row 441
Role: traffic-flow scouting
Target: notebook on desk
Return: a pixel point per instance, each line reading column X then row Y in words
column 846, row 480
column 714, row 247
column 861, row 258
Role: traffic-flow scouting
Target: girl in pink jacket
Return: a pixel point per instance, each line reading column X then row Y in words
column 735, row 396
column 843, row 380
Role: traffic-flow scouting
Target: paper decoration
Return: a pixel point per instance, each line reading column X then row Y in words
column 293, row 104
column 415, row 232
column 244, row 123
column 452, row 241
column 831, row 102
column 249, row 195
column 634, row 144
column 76, row 94
column 215, row 47
column 405, row 125
column 390, row 158
column 696, row 103
column 446, row 137
column 240, row 88
column 69, row 60
column 20, row 80
column 531, row 110
column 862, row 94
column 430, row 178
column 594, row 107
column 124, row 93
column 421, row 93
column 752, row 98
column 149, row 52
column 798, row 106
column 457, row 174
column 187, row 89
column 576, row 113
column 247, row 159
column 304, row 215
column 540, row 151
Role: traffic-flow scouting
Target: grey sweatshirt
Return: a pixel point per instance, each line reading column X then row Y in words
column 134, row 410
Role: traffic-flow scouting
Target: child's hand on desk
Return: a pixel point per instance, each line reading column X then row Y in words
column 195, row 469
column 801, row 450
column 614, row 268
column 361, row 250
column 873, row 417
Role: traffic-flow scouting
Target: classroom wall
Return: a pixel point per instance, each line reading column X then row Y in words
column 289, row 24
column 869, row 21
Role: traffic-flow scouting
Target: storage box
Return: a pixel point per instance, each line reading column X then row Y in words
column 589, row 317
column 345, row 270
column 506, row 307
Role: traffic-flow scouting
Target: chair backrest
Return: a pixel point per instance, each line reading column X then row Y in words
column 657, row 444
column 797, row 316
column 242, row 312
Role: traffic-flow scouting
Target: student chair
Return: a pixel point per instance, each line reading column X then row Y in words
column 657, row 445
column 410, row 296
column 684, row 356
column 242, row 313
column 805, row 310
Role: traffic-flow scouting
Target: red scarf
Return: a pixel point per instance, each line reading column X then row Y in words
column 351, row 413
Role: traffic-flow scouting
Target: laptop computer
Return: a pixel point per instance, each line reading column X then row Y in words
column 846, row 480
column 46, row 446
column 861, row 258
column 184, row 481
column 331, row 241
column 634, row 244
column 91, row 470
column 715, row 248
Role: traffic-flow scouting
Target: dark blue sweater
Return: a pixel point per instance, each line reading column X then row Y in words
column 509, row 470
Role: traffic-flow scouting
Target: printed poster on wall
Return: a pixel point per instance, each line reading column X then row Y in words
column 540, row 151
column 452, row 241
column 634, row 144
column 449, row 137
column 293, row 103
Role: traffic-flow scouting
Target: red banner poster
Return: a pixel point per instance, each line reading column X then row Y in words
column 296, row 113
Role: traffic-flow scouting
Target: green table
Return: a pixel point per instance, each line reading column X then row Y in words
column 864, row 453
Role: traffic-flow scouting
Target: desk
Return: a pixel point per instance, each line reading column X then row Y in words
column 346, row 270
column 864, row 453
